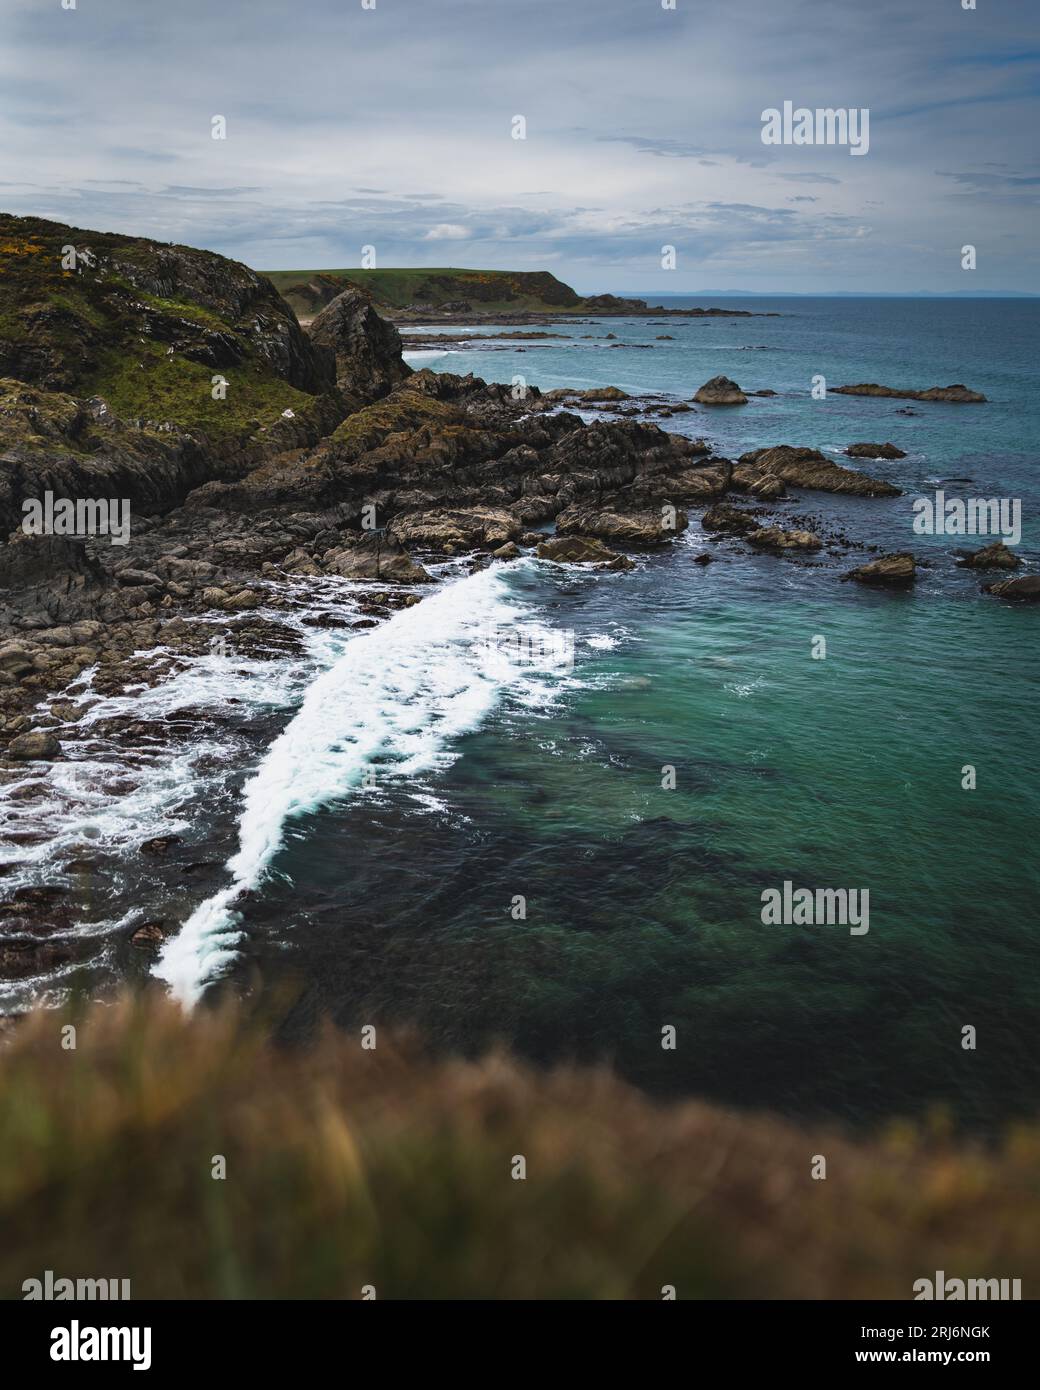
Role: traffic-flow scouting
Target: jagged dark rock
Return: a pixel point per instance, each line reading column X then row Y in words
column 364, row 350
column 376, row 557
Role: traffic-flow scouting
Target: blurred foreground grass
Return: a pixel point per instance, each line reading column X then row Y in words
column 348, row 1167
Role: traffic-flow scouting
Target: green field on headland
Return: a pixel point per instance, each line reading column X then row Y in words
column 533, row 291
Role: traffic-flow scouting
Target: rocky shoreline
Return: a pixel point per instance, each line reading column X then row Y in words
column 340, row 463
column 379, row 462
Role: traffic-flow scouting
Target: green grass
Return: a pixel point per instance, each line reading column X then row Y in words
column 348, row 1167
column 149, row 384
column 182, row 308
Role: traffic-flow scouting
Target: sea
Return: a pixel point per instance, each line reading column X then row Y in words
column 563, row 844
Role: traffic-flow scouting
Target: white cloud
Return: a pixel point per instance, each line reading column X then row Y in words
column 447, row 231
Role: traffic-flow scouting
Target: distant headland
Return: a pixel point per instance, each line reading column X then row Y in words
column 466, row 296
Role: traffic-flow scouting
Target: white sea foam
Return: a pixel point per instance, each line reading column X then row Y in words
column 393, row 702
column 424, row 356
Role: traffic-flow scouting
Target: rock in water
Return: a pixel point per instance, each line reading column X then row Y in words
column 768, row 487
column 874, row 451
column 366, row 348
column 149, row 936
column 581, row 550
column 895, row 570
column 729, row 519
column 1025, row 588
column 376, row 557
column 803, row 467
column 36, row 744
column 464, row 528
column 993, row 557
column 720, row 391
column 773, row 538
column 623, row 528
column 957, row 394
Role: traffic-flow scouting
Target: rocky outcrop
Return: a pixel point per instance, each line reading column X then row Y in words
column 874, row 451
column 143, row 370
column 130, row 300
column 729, row 520
column 957, row 394
column 48, row 580
column 1025, row 588
column 376, row 557
column 364, row 349
column 720, row 391
column 896, row 571
column 992, row 557
column 595, row 395
column 773, row 538
column 633, row 529
column 808, row 468
column 447, row 443
column 768, row 486
column 471, row 528
column 581, row 550
column 37, row 744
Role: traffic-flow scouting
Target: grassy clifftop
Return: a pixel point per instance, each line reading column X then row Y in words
column 147, row 326
column 345, row 1167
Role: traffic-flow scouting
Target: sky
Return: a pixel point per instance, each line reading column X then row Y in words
column 392, row 127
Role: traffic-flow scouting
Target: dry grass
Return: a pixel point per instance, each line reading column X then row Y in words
column 348, row 1167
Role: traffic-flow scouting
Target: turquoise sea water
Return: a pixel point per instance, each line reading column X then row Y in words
column 643, row 902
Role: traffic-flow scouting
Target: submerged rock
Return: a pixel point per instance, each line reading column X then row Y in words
column 160, row 844
column 720, row 390
column 896, row 570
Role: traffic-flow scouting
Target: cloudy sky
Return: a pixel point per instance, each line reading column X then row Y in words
column 391, row 126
